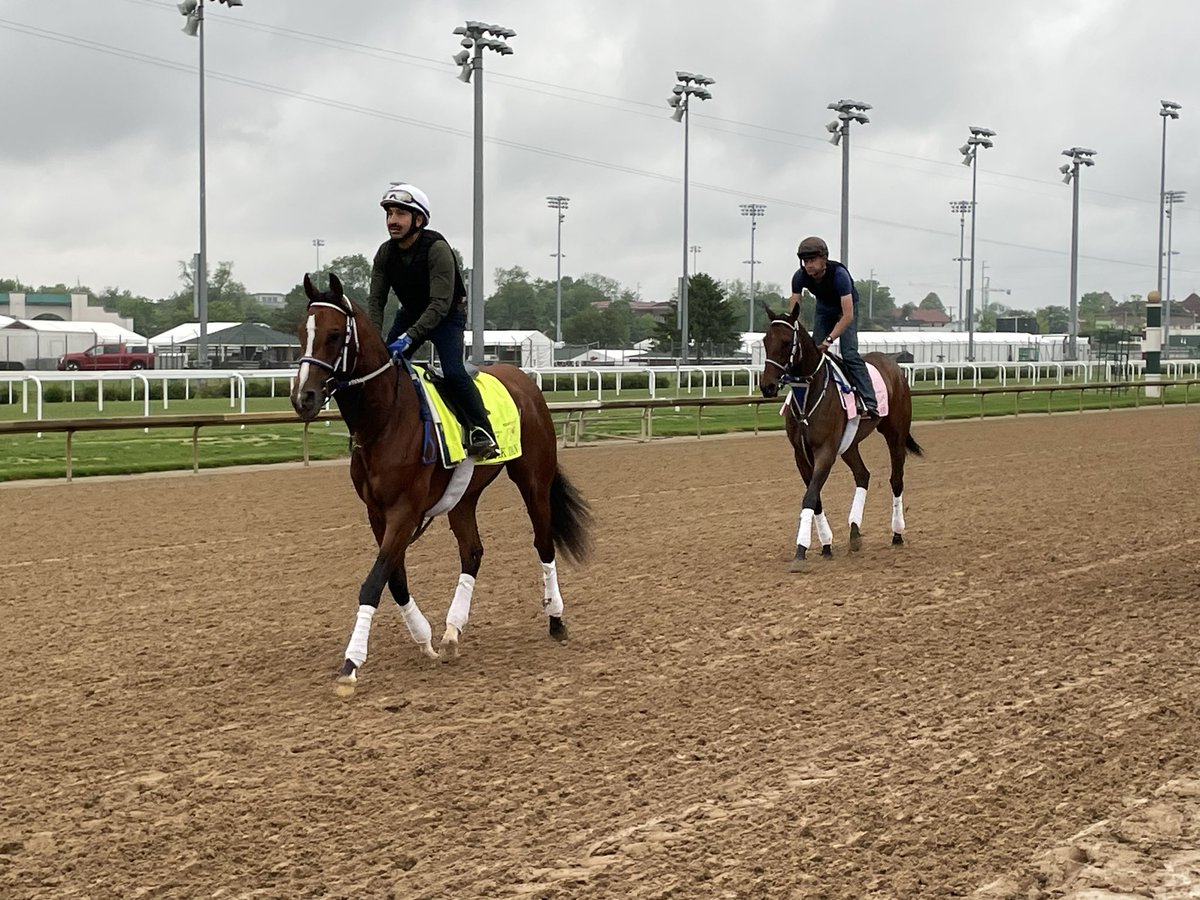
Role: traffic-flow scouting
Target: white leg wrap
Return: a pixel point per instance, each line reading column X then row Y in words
column 553, row 601
column 898, row 514
column 356, row 650
column 856, row 508
column 804, row 532
column 460, row 606
column 824, row 532
column 414, row 619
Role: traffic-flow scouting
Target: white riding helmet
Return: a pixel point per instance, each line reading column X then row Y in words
column 408, row 196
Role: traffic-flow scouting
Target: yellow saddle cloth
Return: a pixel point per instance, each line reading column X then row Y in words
column 501, row 410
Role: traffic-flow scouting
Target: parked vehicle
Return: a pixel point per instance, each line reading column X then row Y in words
column 108, row 356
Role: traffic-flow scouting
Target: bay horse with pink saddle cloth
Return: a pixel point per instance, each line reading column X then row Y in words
column 823, row 423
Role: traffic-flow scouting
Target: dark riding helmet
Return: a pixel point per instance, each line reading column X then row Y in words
column 811, row 248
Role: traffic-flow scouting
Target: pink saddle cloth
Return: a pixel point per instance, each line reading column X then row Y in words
column 881, row 396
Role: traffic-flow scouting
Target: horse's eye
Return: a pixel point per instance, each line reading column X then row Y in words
column 333, row 337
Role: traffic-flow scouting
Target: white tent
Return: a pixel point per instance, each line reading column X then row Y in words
column 527, row 349
column 188, row 331
column 38, row 343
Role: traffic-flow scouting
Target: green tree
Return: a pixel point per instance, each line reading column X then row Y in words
column 932, row 301
column 710, row 318
column 1092, row 306
column 876, row 305
column 1054, row 320
column 515, row 304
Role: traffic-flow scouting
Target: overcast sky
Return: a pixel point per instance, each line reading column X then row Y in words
column 314, row 106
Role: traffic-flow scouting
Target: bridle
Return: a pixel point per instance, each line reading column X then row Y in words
column 342, row 365
column 791, row 374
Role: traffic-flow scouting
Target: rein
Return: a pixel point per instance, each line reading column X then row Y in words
column 332, row 384
column 791, row 374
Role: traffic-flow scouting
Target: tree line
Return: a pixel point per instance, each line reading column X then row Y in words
column 595, row 310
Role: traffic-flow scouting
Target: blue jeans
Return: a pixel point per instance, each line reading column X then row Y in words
column 447, row 339
column 856, row 370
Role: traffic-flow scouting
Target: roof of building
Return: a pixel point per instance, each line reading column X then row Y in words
column 102, row 331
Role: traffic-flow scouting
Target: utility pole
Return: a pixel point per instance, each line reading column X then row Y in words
column 871, row 299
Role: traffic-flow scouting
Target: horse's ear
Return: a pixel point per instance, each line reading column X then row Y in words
column 335, row 286
column 794, row 314
column 309, row 289
column 770, row 312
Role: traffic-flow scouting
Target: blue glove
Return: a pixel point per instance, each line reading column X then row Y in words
column 400, row 344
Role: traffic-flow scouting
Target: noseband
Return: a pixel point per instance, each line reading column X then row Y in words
column 333, row 384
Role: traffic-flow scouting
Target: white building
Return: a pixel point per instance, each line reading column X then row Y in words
column 38, row 343
column 45, row 306
column 527, row 349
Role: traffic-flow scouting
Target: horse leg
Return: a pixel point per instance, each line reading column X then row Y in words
column 810, row 510
column 536, row 495
column 392, row 533
column 897, row 452
column 470, row 555
column 862, row 480
column 824, row 533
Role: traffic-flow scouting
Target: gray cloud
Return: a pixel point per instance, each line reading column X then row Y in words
column 313, row 107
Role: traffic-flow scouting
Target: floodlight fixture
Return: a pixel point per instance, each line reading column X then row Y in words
column 979, row 137
column 1170, row 109
column 474, row 40
column 689, row 85
column 847, row 111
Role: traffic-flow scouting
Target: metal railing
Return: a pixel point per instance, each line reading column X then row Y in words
column 574, row 425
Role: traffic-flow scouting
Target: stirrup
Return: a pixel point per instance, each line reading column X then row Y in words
column 482, row 445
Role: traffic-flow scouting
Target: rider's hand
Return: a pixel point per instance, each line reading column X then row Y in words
column 824, row 345
column 400, row 344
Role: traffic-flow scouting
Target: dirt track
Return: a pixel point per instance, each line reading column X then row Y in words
column 907, row 723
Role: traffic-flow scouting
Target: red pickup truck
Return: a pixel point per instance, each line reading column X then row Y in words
column 108, row 356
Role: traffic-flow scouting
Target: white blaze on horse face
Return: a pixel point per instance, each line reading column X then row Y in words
column 824, row 531
column 356, row 650
column 898, row 514
column 856, row 508
column 460, row 606
column 804, row 532
column 310, row 328
column 553, row 602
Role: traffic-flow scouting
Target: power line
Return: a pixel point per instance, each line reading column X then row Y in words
column 135, row 56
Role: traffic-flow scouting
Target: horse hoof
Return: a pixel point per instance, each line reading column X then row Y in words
column 448, row 649
column 428, row 651
column 827, row 551
column 346, row 681
column 558, row 628
column 799, row 564
column 855, row 539
column 897, row 539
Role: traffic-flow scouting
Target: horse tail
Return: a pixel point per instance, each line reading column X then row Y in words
column 570, row 519
column 912, row 446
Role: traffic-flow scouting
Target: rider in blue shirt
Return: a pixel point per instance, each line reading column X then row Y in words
column 836, row 314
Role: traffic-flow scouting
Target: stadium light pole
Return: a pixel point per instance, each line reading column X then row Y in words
column 1079, row 156
column 754, row 211
column 980, row 137
column 476, row 37
column 1168, row 109
column 1172, row 197
column 193, row 12
column 560, row 204
column 847, row 111
column 318, row 243
column 688, row 85
column 961, row 207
